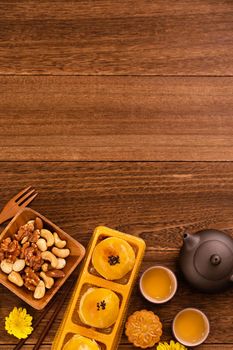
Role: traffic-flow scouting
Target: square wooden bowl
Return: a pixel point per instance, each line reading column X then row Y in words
column 77, row 252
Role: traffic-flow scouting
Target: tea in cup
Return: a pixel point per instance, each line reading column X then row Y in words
column 191, row 327
column 158, row 284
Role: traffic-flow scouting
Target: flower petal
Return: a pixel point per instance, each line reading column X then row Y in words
column 18, row 323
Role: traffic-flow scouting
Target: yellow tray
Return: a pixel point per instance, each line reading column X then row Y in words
column 107, row 339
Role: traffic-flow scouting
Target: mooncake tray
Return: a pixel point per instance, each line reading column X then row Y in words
column 107, row 339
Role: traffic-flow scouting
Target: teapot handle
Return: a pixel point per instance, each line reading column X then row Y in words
column 231, row 278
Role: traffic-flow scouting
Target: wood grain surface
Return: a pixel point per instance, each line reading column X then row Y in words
column 122, row 37
column 100, row 101
column 155, row 201
column 116, row 118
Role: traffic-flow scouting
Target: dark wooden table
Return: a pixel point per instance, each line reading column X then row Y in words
column 121, row 113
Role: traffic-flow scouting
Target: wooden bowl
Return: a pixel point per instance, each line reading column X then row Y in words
column 77, row 252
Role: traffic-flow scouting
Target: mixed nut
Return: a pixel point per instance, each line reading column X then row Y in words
column 34, row 257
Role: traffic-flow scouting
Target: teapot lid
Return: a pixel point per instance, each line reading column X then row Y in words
column 213, row 260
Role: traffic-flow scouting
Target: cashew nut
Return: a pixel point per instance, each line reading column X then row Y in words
column 55, row 273
column 50, row 257
column 19, row 265
column 15, row 278
column 61, row 263
column 45, row 267
column 41, row 244
column 48, row 236
column 40, row 290
column 61, row 253
column 38, row 223
column 49, row 281
column 6, row 266
column 58, row 242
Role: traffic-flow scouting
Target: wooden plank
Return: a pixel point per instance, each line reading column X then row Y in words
column 156, row 201
column 116, row 118
column 109, row 37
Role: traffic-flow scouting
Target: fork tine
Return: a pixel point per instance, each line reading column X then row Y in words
column 29, row 200
column 27, row 195
column 18, row 195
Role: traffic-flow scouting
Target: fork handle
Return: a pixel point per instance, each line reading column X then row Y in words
column 4, row 217
column 7, row 214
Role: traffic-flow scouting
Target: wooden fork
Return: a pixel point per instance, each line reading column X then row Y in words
column 20, row 200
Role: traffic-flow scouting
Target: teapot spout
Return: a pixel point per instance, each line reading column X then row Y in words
column 190, row 241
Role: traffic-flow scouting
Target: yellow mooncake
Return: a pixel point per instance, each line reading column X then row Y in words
column 113, row 258
column 78, row 342
column 99, row 307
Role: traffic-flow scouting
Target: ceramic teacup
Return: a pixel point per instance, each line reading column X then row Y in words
column 158, row 284
column 191, row 327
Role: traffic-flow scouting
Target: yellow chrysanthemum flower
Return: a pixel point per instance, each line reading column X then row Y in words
column 18, row 323
column 171, row 346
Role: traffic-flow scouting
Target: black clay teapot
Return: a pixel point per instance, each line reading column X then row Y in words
column 206, row 260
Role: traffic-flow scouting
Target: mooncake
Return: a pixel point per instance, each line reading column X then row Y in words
column 113, row 258
column 143, row 329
